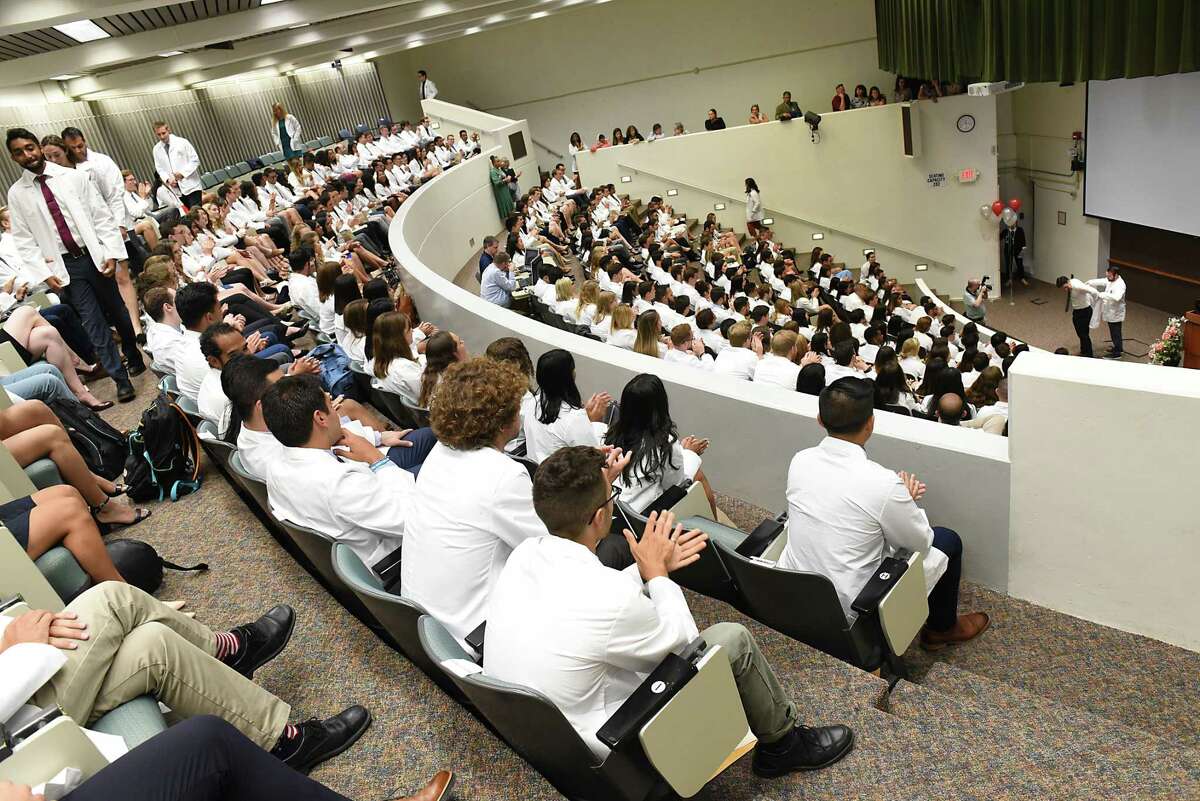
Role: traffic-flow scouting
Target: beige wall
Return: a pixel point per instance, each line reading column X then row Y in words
column 644, row 62
column 1035, row 127
column 855, row 185
column 1103, row 523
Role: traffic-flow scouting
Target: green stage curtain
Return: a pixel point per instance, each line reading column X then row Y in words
column 1038, row 40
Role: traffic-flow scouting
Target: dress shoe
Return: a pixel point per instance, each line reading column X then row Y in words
column 1112, row 354
column 99, row 406
column 803, row 748
column 439, row 787
column 262, row 640
column 136, row 368
column 320, row 740
column 966, row 628
column 125, row 391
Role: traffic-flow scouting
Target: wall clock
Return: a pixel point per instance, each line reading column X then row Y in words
column 966, row 123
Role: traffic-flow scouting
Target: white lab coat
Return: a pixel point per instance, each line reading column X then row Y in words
column 34, row 235
column 345, row 500
column 178, row 156
column 109, row 181
column 738, row 362
column 291, row 125
column 845, row 513
column 572, row 427
column 777, row 371
column 164, row 341
column 426, row 90
column 191, row 368
column 472, row 508
column 1112, row 300
column 582, row 634
column 754, row 207
column 403, row 379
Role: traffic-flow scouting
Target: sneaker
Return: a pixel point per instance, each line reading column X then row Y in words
column 263, row 640
column 320, row 740
column 803, row 748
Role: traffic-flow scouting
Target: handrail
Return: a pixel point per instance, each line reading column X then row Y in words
column 984, row 333
column 772, row 213
column 1133, row 265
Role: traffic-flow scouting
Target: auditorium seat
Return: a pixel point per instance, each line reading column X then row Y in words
column 208, row 180
column 221, row 175
column 325, row 141
column 218, row 449
column 317, row 548
column 241, row 168
column 62, row 570
column 169, row 385
column 137, row 721
column 397, row 615
column 256, row 488
column 345, row 134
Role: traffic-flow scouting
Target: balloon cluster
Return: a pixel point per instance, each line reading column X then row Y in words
column 1007, row 214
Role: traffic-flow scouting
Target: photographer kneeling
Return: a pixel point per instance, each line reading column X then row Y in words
column 975, row 298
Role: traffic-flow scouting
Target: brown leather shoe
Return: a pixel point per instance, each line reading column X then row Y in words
column 968, row 627
column 438, row 788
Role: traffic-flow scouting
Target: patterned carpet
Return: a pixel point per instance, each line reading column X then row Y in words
column 1043, row 706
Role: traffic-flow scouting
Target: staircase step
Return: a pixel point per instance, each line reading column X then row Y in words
column 1102, row 738
column 1010, row 745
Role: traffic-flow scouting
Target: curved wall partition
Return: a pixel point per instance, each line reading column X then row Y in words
column 755, row 430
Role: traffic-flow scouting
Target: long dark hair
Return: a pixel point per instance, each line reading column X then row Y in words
column 345, row 289
column 441, row 351
column 751, row 185
column 644, row 428
column 556, row 385
column 375, row 310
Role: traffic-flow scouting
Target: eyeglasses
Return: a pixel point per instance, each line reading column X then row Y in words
column 616, row 491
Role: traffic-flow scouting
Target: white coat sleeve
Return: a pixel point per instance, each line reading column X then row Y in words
column 35, row 265
column 102, row 219
column 191, row 159
column 650, row 626
column 380, row 501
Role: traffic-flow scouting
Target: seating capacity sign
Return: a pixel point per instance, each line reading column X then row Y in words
column 936, row 179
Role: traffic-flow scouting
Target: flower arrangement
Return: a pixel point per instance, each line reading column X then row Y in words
column 1169, row 348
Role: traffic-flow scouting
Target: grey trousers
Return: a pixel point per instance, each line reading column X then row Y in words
column 770, row 712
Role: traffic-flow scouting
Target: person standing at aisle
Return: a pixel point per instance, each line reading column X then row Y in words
column 754, row 208
column 426, row 88
column 285, row 130
column 65, row 234
column 111, row 184
column 177, row 164
column 1081, row 310
column 1111, row 291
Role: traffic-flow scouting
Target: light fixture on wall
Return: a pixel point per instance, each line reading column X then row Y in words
column 921, row 267
column 626, row 179
column 672, row 192
column 66, row 77
column 768, row 221
column 818, row 237
column 718, row 207
column 435, row 125
column 868, row 251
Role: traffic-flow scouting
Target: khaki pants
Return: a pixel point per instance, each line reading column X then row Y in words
column 137, row 646
column 769, row 711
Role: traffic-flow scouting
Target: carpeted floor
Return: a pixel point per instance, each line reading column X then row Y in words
column 1043, row 706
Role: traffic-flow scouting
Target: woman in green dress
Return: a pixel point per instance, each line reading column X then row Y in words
column 500, row 182
column 285, row 130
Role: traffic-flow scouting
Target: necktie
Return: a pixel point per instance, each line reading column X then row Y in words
column 60, row 222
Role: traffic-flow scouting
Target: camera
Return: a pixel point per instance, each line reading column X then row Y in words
column 985, row 282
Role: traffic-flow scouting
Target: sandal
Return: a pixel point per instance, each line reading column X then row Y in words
column 141, row 513
column 118, row 490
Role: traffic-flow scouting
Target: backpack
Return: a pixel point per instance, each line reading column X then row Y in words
column 140, row 565
column 102, row 447
column 336, row 376
column 164, row 454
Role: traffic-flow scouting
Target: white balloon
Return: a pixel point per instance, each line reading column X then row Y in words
column 985, row 211
column 1009, row 217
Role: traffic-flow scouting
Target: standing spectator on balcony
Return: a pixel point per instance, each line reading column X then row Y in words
column 574, row 148
column 875, row 97
column 427, row 89
column 860, row 99
column 714, row 123
column 656, row 132
column 754, row 208
column 788, row 110
column 500, row 183
column 840, row 101
column 176, row 162
column 903, row 92
column 285, row 130
column 756, row 115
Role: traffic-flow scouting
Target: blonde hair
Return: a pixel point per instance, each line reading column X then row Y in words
column 783, row 342
column 604, row 306
column 648, row 329
column 739, row 332
column 911, row 347
column 622, row 315
column 589, row 293
column 564, row 289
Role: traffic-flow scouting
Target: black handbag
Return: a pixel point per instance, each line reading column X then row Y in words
column 140, row 565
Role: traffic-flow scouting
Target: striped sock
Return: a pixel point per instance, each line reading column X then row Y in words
column 288, row 742
column 227, row 645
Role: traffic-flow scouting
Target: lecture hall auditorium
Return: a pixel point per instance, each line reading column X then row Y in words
column 783, row 405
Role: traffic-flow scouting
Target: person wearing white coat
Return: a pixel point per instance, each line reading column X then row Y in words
column 1110, row 291
column 754, row 208
column 66, row 236
column 177, row 164
column 426, row 89
column 285, row 130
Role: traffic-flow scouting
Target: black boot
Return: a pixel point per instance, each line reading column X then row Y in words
column 803, row 748
column 263, row 640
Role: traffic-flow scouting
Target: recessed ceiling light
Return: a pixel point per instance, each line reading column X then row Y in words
column 299, row 25
column 472, row 29
column 539, row 14
column 170, row 53
column 82, row 30
column 494, row 19
column 267, row 2
column 64, row 77
column 415, row 43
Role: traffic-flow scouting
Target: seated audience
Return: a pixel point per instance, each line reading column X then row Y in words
column 742, row 357
column 473, row 503
column 393, row 365
column 780, row 367
column 558, row 416
column 586, row 636
column 845, row 513
column 497, row 284
column 513, row 351
column 441, row 350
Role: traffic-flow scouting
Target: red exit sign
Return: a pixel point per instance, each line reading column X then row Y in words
column 967, row 176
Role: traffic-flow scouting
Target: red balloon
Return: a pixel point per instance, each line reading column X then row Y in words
column 997, row 207
column 1015, row 204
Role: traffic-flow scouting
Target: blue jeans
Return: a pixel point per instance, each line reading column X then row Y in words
column 411, row 459
column 40, row 381
column 943, row 601
column 274, row 350
column 70, row 328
